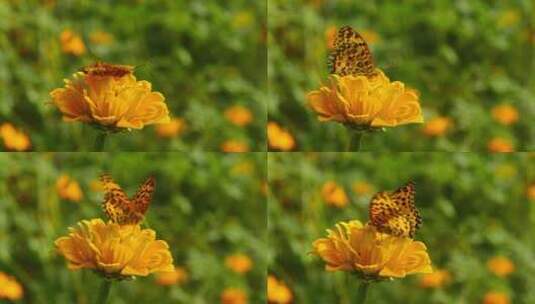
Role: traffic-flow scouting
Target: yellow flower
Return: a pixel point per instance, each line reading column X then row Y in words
column 278, row 292
column 436, row 279
column 71, row 43
column 330, row 36
column 509, row 18
column 505, row 114
column 115, row 251
column 494, row 297
column 531, row 192
column 173, row 128
column 14, row 139
column 110, row 99
column 437, row 126
column 501, row 266
column 101, row 37
column 499, row 144
column 239, row 115
column 9, row 288
column 68, row 188
column 179, row 276
column 234, row 146
column 362, row 187
column 279, row 138
column 371, row 254
column 364, row 103
column 334, row 195
column 233, row 296
column 239, row 263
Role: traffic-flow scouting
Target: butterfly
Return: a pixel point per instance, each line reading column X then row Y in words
column 395, row 212
column 103, row 69
column 122, row 210
column 351, row 55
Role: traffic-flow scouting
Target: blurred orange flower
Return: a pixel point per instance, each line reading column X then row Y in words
column 234, row 146
column 179, row 276
column 353, row 247
column 279, row 138
column 100, row 37
column 14, row 139
column 71, row 43
column 171, row 129
column 362, row 188
column 531, row 192
column 436, row 279
column 334, row 195
column 437, row 126
column 239, row 115
column 68, row 188
column 494, row 297
column 370, row 36
column 499, row 144
column 113, row 250
column 363, row 103
column 9, row 288
column 277, row 291
column 330, row 36
column 505, row 114
column 501, row 266
column 239, row 263
column 110, row 97
column 233, row 296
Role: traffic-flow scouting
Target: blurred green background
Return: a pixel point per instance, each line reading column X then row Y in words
column 464, row 57
column 474, row 207
column 204, row 56
column 207, row 206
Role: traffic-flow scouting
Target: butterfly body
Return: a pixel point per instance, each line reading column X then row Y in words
column 395, row 212
column 102, row 69
column 121, row 209
column 351, row 55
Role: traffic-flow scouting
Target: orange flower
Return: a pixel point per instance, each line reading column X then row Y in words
column 71, row 43
column 179, row 276
column 234, row 146
column 364, row 103
column 100, row 37
column 174, row 128
column 334, row 195
column 278, row 292
column 279, row 138
column 494, row 297
column 499, row 144
column 68, row 188
column 505, row 114
column 436, row 279
column 437, row 126
column 500, row 266
column 362, row 188
column 239, row 115
column 239, row 263
column 330, row 36
column 110, row 97
column 9, row 288
column 531, row 192
column 14, row 139
column 233, row 296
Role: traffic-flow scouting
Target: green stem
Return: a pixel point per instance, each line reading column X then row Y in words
column 363, row 293
column 355, row 138
column 104, row 292
column 100, row 141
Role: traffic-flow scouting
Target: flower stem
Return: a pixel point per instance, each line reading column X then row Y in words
column 353, row 144
column 100, row 140
column 104, row 292
column 363, row 292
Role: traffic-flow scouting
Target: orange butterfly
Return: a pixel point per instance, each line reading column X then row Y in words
column 122, row 210
column 351, row 55
column 395, row 212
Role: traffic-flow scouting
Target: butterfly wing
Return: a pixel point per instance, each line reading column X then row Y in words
column 116, row 204
column 351, row 54
column 143, row 196
column 395, row 213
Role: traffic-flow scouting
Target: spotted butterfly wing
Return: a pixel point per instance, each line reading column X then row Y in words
column 143, row 196
column 351, row 55
column 395, row 212
column 102, row 69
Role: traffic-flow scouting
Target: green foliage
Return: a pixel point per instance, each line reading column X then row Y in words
column 473, row 207
column 462, row 56
column 204, row 56
column 204, row 206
